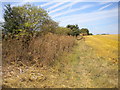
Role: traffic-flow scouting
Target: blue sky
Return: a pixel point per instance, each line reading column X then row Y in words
column 98, row 17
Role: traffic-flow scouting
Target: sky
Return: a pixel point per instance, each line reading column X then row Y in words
column 98, row 17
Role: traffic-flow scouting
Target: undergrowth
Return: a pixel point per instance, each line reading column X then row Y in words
column 41, row 50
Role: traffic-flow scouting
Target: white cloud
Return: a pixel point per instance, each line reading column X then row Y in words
column 55, row 5
column 21, row 3
column 60, row 3
column 63, row 7
column 74, row 10
column 88, row 17
column 46, row 4
column 31, row 1
column 105, row 6
column 102, row 3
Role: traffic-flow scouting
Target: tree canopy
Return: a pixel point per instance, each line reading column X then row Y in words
column 84, row 31
column 26, row 18
column 74, row 30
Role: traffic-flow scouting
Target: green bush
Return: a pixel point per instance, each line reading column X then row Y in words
column 27, row 18
column 62, row 31
column 74, row 30
column 90, row 34
column 84, row 31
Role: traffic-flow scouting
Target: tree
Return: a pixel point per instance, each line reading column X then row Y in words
column 90, row 34
column 84, row 31
column 49, row 26
column 9, row 20
column 74, row 30
column 26, row 18
column 62, row 31
column 104, row 34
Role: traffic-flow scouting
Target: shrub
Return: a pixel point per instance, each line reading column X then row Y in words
column 74, row 30
column 62, row 31
column 84, row 31
column 90, row 34
column 40, row 50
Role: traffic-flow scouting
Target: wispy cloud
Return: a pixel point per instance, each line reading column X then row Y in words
column 31, row 1
column 21, row 3
column 52, row 7
column 105, row 6
column 102, row 3
column 63, row 7
column 46, row 4
column 70, row 11
column 88, row 17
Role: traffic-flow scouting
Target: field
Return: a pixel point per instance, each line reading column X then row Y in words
column 87, row 65
column 105, row 45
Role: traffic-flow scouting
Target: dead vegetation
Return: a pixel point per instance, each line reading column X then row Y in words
column 20, row 54
column 40, row 50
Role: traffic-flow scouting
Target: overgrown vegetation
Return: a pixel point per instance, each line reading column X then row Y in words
column 81, row 68
column 30, row 36
column 31, row 20
column 38, row 50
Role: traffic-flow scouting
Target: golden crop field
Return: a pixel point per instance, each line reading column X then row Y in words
column 105, row 45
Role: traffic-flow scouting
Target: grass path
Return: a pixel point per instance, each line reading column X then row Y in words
column 80, row 68
column 86, row 70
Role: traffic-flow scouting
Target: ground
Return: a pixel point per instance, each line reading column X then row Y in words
column 82, row 67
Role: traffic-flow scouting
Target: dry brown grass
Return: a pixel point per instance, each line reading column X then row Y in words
column 19, row 55
column 38, row 50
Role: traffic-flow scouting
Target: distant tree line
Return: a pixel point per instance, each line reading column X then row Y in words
column 103, row 34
